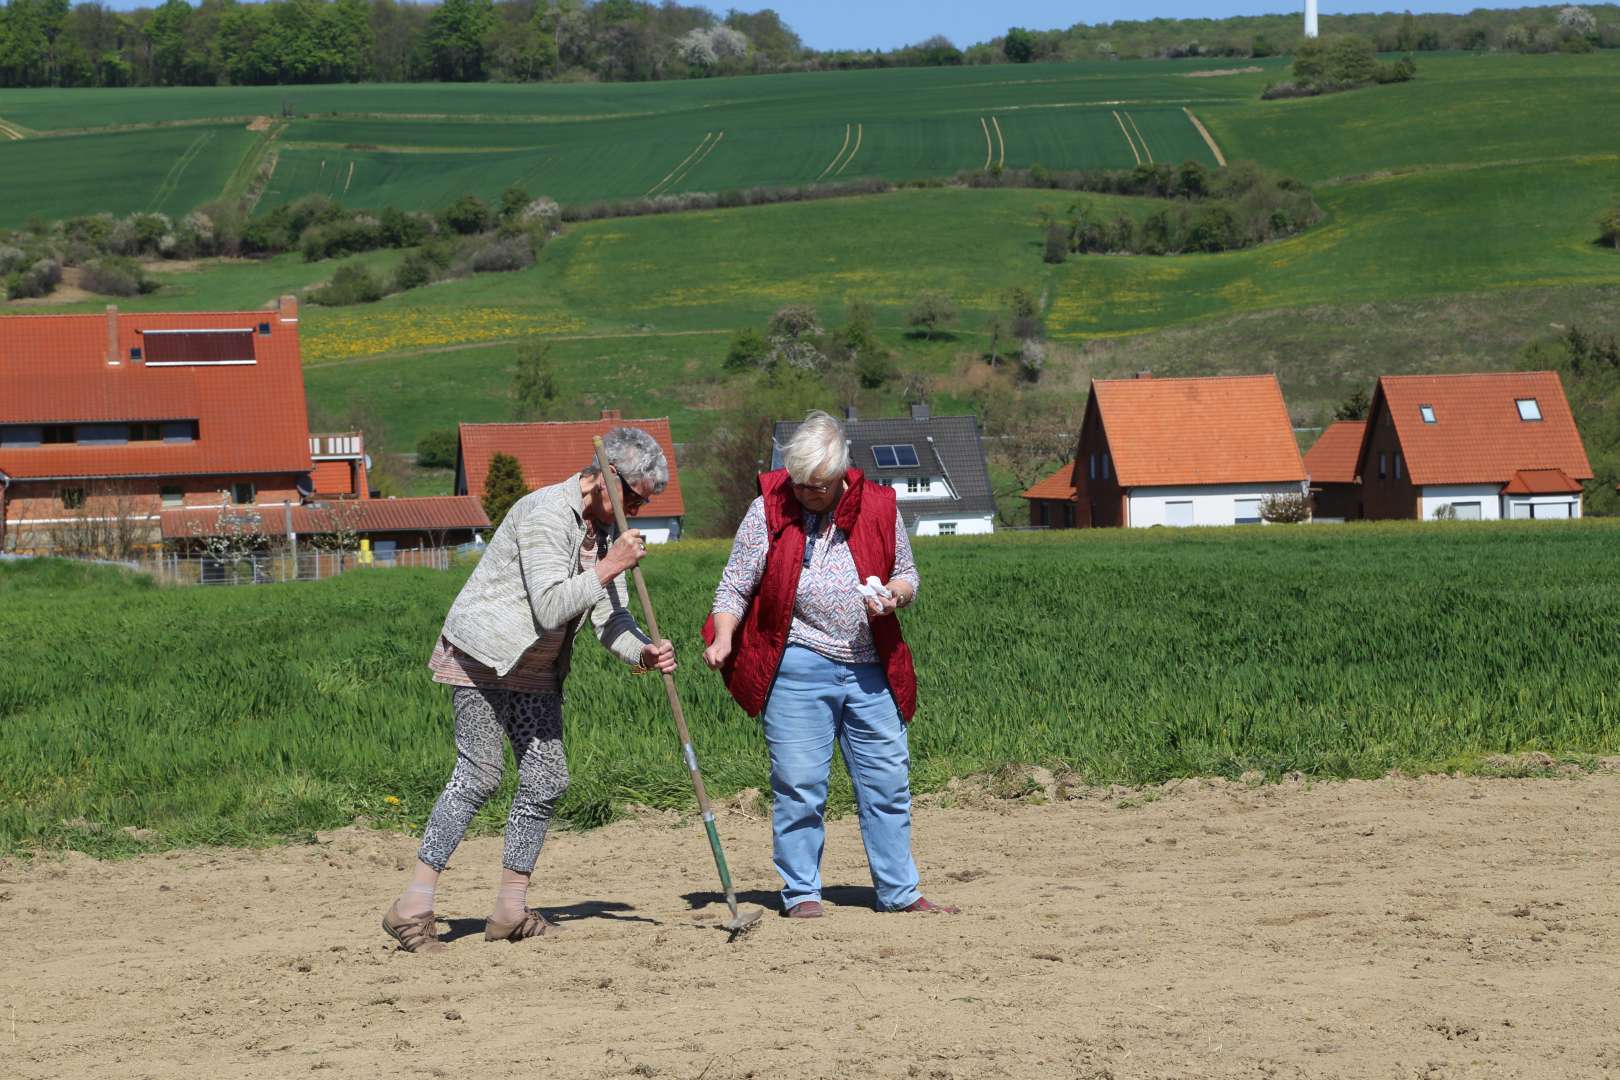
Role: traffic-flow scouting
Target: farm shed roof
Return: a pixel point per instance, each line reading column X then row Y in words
column 1334, row 457
column 954, row 438
column 1060, row 485
column 552, row 452
column 236, row 374
column 366, row 516
column 1478, row 435
column 1225, row 430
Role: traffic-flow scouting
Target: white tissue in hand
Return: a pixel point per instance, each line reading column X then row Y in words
column 874, row 589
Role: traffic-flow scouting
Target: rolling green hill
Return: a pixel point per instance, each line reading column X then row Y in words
column 1460, row 220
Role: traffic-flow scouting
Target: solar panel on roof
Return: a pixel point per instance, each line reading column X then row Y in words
column 884, row 456
column 906, row 456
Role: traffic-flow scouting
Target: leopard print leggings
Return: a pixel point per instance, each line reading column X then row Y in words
column 533, row 723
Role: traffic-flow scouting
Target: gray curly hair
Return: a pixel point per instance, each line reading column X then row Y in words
column 817, row 447
column 636, row 455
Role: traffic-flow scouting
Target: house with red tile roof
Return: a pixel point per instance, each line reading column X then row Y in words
column 550, row 452
column 1053, row 501
column 1333, row 465
column 119, row 421
column 127, row 414
column 1183, row 451
column 1472, row 447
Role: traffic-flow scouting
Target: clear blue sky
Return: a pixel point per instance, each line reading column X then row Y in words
column 886, row 24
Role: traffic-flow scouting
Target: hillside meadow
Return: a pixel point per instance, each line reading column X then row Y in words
column 244, row 715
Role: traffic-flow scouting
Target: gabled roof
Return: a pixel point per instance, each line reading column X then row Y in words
column 955, row 444
column 1477, row 436
column 437, row 513
column 1541, row 482
column 1060, row 485
column 251, row 418
column 1335, row 457
column 552, row 452
column 1225, row 430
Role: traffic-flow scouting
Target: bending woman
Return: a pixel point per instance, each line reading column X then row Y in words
column 505, row 649
column 801, row 646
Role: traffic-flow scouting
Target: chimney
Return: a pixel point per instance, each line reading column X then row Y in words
column 288, row 306
column 113, row 359
column 919, row 410
column 850, row 413
column 1143, row 375
column 610, row 414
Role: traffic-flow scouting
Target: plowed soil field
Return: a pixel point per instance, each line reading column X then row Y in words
column 1433, row 927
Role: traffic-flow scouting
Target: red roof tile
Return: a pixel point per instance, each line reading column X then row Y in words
column 1541, row 482
column 552, row 452
column 1060, row 485
column 1225, row 430
column 432, row 513
column 335, row 478
column 250, row 416
column 1334, row 457
column 1477, row 436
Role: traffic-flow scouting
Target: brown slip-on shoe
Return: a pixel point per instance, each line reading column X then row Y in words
column 533, row 924
column 418, row 934
column 804, row 909
column 926, row 906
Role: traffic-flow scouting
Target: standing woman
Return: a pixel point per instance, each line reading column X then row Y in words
column 799, row 645
column 505, row 649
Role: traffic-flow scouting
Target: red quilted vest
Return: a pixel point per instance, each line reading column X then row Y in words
column 866, row 514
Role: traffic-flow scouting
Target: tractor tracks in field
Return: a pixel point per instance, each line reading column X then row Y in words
column 10, row 131
column 990, row 146
column 171, row 179
column 496, row 343
column 711, row 139
column 1209, row 140
column 859, row 132
column 1126, row 131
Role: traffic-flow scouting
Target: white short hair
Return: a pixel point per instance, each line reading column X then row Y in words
column 817, row 447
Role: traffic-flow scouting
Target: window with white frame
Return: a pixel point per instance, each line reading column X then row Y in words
column 1529, row 408
column 947, row 528
column 1246, row 511
column 1427, row 412
column 1179, row 513
column 1559, row 510
column 1467, row 511
column 916, row 485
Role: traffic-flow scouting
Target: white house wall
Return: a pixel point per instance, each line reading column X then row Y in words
column 1212, row 504
column 658, row 530
column 1489, row 497
column 966, row 525
column 1542, row 506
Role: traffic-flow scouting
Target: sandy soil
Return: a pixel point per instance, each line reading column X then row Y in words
column 1430, row 928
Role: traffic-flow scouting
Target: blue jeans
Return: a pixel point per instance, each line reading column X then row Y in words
column 815, row 701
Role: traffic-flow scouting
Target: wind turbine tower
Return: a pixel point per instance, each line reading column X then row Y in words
column 1310, row 18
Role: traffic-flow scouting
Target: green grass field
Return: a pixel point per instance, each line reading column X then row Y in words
column 171, row 170
column 421, row 146
column 250, row 714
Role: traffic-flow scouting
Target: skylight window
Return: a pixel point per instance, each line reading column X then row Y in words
column 1428, row 413
column 901, row 456
column 188, row 348
column 1529, row 409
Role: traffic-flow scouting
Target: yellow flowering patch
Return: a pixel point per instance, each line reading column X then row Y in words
column 339, row 335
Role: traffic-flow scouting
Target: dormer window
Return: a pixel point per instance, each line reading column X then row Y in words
column 1529, row 408
column 1427, row 412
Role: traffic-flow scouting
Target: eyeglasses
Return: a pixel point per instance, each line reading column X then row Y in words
column 633, row 499
column 813, row 489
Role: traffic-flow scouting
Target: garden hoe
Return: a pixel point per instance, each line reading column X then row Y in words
column 739, row 922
